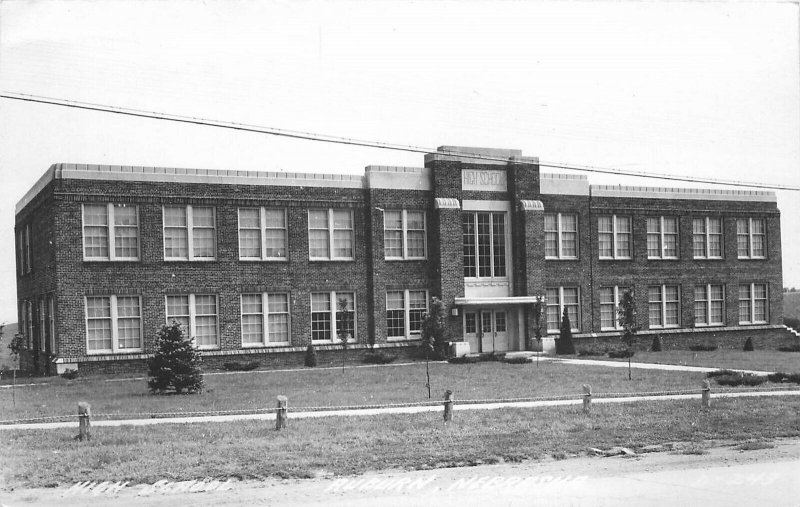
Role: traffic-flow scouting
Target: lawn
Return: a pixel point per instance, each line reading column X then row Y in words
column 352, row 445
column 761, row 360
column 334, row 387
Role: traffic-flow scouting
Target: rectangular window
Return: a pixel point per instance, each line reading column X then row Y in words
column 663, row 306
column 614, row 237
column 329, row 318
column 404, row 234
column 198, row 316
column 24, row 248
column 707, row 238
column 405, row 310
column 265, row 311
column 110, row 232
column 662, row 238
column 609, row 303
column 189, row 233
column 484, row 244
column 262, row 234
column 750, row 238
column 330, row 234
column 709, row 305
column 559, row 298
column 560, row 236
column 113, row 324
column 51, row 323
column 753, row 303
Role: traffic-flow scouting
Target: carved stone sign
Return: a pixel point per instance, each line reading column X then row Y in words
column 492, row 180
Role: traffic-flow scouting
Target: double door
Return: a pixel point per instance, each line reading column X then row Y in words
column 485, row 330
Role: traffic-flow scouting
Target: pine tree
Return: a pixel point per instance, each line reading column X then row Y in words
column 564, row 344
column 311, row 357
column 748, row 345
column 176, row 363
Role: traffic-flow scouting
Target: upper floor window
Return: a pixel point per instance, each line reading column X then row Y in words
column 707, row 238
column 750, row 238
column 330, row 234
column 189, row 233
column 663, row 306
column 262, row 234
column 333, row 315
column 198, row 315
column 609, row 302
column 113, row 324
column 110, row 232
column 560, row 236
column 753, row 303
column 404, row 234
column 709, row 305
column 558, row 299
column 662, row 238
column 614, row 237
column 405, row 310
column 484, row 243
column 265, row 319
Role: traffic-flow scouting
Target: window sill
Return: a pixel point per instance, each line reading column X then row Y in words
column 268, row 259
column 616, row 258
column 708, row 258
column 664, row 327
column 756, row 323
column 706, row 326
column 562, row 258
column 663, row 258
column 751, row 258
column 406, row 259
column 190, row 260
column 344, row 259
column 113, row 352
column 262, row 345
column 109, row 261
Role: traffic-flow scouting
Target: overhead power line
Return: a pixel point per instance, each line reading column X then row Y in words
column 312, row 136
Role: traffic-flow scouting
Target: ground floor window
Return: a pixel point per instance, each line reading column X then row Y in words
column 609, row 302
column 197, row 313
column 265, row 319
column 113, row 324
column 405, row 310
column 709, row 305
column 663, row 306
column 559, row 298
column 753, row 303
column 332, row 314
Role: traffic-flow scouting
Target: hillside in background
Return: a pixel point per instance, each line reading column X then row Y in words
column 791, row 304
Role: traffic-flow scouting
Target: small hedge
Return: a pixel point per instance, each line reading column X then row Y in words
column 517, row 360
column 236, row 366
column 464, row 360
column 378, row 357
column 740, row 379
column 781, row 377
column 621, row 354
column 656, row 345
column 70, row 374
column 721, row 373
column 702, row 348
column 592, row 351
column 790, row 348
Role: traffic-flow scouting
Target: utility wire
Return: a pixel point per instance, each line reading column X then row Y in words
column 312, row 136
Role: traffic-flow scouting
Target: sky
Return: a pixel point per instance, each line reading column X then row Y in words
column 705, row 89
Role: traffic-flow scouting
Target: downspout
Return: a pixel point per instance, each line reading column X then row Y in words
column 591, row 265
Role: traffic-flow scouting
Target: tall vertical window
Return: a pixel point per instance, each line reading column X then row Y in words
column 262, row 312
column 262, row 234
column 663, row 306
column 707, row 238
column 24, row 249
column 750, row 238
column 614, row 237
column 327, row 318
column 198, row 316
column 405, row 310
column 484, row 244
column 113, row 324
column 609, row 302
column 662, row 238
column 560, row 236
column 559, row 298
column 753, row 303
column 51, row 323
column 330, row 234
column 709, row 305
column 404, row 234
column 21, row 251
column 189, row 233
column 110, row 232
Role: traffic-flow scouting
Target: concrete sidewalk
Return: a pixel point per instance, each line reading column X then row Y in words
column 647, row 366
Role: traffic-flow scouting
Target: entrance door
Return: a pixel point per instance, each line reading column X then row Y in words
column 485, row 330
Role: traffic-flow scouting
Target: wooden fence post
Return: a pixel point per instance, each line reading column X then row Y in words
column 280, row 415
column 706, row 394
column 84, row 421
column 448, row 405
column 587, row 398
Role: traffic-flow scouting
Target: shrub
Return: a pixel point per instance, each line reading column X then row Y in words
column 780, row 377
column 790, row 348
column 378, row 357
column 592, row 351
column 311, row 357
column 739, row 379
column 176, row 363
column 656, row 345
column 748, row 345
column 70, row 374
column 791, row 322
column 464, row 359
column 518, row 360
column 236, row 366
column 564, row 345
column 702, row 348
column 720, row 373
column 620, row 354
column 492, row 356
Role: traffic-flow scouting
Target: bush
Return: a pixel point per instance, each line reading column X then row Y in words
column 739, row 379
column 311, row 357
column 518, row 360
column 464, row 359
column 791, row 322
column 781, row 377
column 702, row 348
column 592, row 351
column 564, row 345
column 378, row 357
column 656, row 345
column 721, row 373
column 492, row 356
column 235, row 366
column 176, row 363
column 748, row 345
column 790, row 348
column 70, row 374
column 620, row 354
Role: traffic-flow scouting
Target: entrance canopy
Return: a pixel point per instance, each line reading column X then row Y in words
column 498, row 301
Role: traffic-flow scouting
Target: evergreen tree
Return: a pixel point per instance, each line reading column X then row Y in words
column 564, row 343
column 748, row 345
column 311, row 356
column 176, row 363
